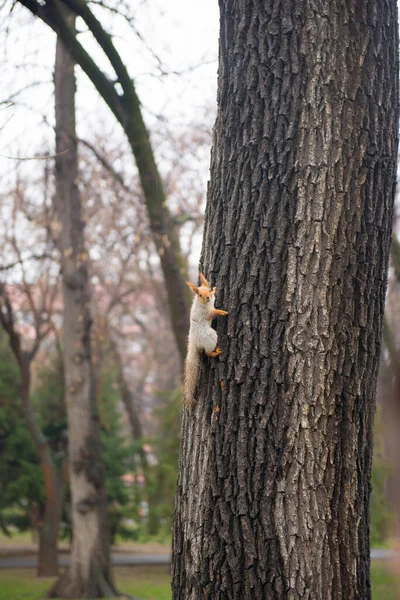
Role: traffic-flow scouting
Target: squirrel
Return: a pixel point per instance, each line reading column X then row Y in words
column 201, row 336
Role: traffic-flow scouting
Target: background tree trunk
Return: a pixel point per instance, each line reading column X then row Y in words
column 127, row 396
column 48, row 540
column 274, row 475
column 48, row 525
column 89, row 574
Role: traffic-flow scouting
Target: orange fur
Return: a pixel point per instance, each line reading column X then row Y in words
column 201, row 336
column 218, row 313
column 193, row 287
column 204, row 280
column 216, row 352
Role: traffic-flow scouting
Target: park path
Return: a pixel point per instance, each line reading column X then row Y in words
column 126, row 559
column 17, row 562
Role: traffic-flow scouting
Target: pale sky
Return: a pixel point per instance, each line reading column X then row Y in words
column 182, row 34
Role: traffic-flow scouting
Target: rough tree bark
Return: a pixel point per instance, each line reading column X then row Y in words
column 89, row 574
column 274, row 474
column 127, row 110
column 48, row 522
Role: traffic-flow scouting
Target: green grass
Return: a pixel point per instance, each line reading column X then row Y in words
column 385, row 585
column 152, row 583
column 22, row 584
column 147, row 583
column 18, row 537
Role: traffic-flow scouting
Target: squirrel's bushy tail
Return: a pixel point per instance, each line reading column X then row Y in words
column 192, row 367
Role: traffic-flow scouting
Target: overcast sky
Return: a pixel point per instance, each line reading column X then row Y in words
column 183, row 35
column 174, row 66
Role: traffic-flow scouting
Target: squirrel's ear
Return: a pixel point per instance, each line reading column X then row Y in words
column 204, row 280
column 214, row 290
column 193, row 287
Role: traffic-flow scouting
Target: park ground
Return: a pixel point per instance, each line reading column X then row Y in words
column 144, row 582
column 147, row 583
column 152, row 583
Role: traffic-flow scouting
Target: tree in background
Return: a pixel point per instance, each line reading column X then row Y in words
column 129, row 302
column 117, row 450
column 21, row 477
column 126, row 108
column 89, row 573
column 382, row 507
column 27, row 307
column 275, row 461
column 385, row 473
column 161, row 477
column 22, row 501
column 54, row 478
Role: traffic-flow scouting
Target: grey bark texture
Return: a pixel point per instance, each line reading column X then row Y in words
column 274, row 474
column 89, row 574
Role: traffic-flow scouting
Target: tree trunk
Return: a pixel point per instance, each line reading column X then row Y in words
column 275, row 460
column 49, row 524
column 89, row 574
column 130, row 405
column 164, row 231
column 127, row 397
column 53, row 484
column 48, row 540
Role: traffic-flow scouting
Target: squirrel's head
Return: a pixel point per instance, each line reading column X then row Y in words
column 204, row 292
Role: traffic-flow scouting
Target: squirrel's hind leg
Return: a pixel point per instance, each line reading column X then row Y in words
column 215, row 352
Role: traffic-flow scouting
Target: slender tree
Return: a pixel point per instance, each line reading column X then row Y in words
column 127, row 110
column 54, row 478
column 89, row 574
column 28, row 294
column 275, row 460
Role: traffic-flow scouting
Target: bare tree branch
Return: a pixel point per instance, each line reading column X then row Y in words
column 14, row 263
column 102, row 159
column 127, row 110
